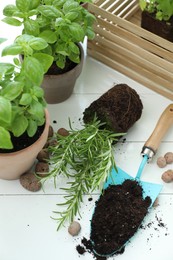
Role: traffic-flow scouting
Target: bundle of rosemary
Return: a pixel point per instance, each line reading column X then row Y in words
column 85, row 157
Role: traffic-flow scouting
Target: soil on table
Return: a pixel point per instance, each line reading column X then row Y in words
column 23, row 141
column 120, row 107
column 118, row 214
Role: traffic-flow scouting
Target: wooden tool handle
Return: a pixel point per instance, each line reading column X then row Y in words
column 162, row 126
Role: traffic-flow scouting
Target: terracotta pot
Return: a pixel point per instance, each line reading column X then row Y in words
column 58, row 88
column 160, row 28
column 85, row 5
column 13, row 165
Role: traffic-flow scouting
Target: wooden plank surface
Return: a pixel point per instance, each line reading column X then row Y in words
column 122, row 44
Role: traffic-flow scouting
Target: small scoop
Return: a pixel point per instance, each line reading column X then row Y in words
column 152, row 190
column 118, row 176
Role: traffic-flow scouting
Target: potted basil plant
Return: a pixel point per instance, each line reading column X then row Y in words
column 63, row 25
column 24, row 120
column 157, row 17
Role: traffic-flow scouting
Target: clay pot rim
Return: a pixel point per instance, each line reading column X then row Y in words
column 28, row 147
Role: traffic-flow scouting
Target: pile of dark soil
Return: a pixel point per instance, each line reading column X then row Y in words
column 118, row 214
column 54, row 70
column 120, row 107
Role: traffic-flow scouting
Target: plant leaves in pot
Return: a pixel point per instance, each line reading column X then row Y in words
column 157, row 17
column 23, row 115
column 63, row 25
column 59, row 86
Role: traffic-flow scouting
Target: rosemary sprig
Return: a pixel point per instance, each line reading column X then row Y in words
column 86, row 158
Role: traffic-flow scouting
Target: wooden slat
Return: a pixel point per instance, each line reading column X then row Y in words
column 133, row 73
column 132, row 38
column 118, row 6
column 107, row 3
column 99, row 12
column 131, row 50
column 99, row 2
column 128, row 13
column 136, row 64
column 114, row 39
column 124, row 8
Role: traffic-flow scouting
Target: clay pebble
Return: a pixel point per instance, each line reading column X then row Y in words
column 51, row 132
column 167, row 176
column 62, row 131
column 74, row 228
column 30, row 182
column 161, row 162
column 42, row 169
column 168, row 157
column 43, row 155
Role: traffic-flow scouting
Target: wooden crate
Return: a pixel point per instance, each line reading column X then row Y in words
column 122, row 44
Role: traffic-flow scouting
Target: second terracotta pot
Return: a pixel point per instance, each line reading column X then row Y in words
column 58, row 88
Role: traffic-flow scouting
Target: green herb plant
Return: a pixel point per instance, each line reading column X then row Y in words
column 85, row 158
column 61, row 23
column 2, row 40
column 22, row 104
column 162, row 9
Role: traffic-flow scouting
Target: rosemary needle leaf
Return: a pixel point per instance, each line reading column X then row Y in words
column 85, row 157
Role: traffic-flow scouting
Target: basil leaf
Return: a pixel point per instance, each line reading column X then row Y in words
column 5, row 139
column 44, row 59
column 23, row 5
column 12, row 21
column 19, row 125
column 5, row 110
column 13, row 90
column 48, row 36
column 9, row 10
column 33, row 70
column 13, row 49
column 38, row 43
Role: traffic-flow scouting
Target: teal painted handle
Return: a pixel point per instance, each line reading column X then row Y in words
column 141, row 167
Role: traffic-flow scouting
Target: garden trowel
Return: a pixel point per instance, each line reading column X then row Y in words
column 118, row 176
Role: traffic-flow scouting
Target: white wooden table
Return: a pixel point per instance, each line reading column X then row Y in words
column 27, row 231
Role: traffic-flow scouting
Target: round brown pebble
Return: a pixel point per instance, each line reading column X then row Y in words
column 63, row 132
column 30, row 182
column 161, row 162
column 43, row 155
column 42, row 169
column 167, row 176
column 74, row 228
column 46, row 145
column 168, row 157
column 53, row 142
column 51, row 131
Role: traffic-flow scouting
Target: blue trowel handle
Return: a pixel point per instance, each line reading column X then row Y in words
column 164, row 123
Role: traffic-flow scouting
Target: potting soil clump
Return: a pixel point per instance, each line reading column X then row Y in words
column 118, row 214
column 120, row 107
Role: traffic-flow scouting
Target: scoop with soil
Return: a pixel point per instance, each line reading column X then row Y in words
column 119, row 213
column 122, row 207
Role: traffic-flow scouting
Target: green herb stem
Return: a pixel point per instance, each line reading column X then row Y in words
column 85, row 157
